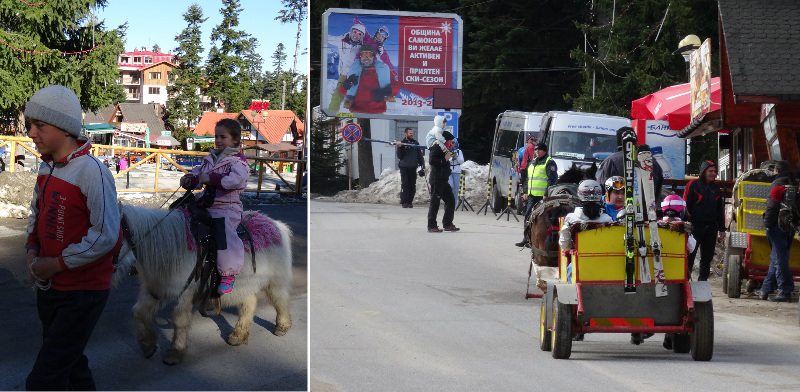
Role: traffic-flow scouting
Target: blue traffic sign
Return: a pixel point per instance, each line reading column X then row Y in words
column 352, row 133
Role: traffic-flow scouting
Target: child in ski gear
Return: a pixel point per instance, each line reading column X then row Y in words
column 73, row 234
column 591, row 210
column 455, row 168
column 615, row 196
column 704, row 206
column 780, row 235
column 438, row 158
column 673, row 209
column 435, row 135
column 224, row 172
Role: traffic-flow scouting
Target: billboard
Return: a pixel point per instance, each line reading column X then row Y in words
column 668, row 149
column 386, row 64
column 700, row 79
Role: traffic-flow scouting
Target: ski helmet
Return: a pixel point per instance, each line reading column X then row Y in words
column 615, row 183
column 590, row 191
column 673, row 206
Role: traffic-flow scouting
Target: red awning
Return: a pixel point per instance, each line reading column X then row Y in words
column 672, row 104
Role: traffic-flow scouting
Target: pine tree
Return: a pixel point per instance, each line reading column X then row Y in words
column 157, row 48
column 294, row 11
column 279, row 58
column 251, row 73
column 56, row 43
column 629, row 49
column 226, row 63
column 183, row 107
column 326, row 150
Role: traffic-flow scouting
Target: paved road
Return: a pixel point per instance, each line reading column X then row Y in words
column 397, row 308
column 267, row 362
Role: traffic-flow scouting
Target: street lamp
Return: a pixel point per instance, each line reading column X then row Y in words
column 688, row 44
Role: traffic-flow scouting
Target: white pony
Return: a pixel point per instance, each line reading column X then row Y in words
column 164, row 253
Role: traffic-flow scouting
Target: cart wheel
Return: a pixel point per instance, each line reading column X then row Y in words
column 702, row 339
column 734, row 273
column 562, row 330
column 545, row 335
column 681, row 343
column 727, row 256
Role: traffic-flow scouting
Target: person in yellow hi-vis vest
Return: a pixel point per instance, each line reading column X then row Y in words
column 542, row 172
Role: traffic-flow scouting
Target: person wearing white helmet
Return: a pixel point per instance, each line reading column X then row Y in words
column 591, row 210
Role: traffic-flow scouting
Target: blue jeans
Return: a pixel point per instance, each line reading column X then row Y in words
column 778, row 273
column 453, row 181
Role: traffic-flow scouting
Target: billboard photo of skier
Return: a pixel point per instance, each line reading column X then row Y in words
column 384, row 64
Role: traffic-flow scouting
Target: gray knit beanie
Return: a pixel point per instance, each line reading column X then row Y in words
column 57, row 106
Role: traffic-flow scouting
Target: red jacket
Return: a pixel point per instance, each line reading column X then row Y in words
column 75, row 218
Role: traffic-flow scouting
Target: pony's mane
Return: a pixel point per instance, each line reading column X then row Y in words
column 157, row 235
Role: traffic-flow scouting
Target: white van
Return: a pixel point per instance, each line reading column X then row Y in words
column 511, row 132
column 580, row 138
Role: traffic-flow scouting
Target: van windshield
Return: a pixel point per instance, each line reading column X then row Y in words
column 578, row 145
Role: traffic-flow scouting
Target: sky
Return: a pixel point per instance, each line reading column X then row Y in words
column 159, row 21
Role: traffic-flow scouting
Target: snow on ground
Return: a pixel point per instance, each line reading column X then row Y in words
column 16, row 190
column 386, row 190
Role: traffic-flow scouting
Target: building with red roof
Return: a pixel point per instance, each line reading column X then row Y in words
column 266, row 126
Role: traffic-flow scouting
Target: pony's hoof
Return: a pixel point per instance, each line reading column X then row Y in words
column 148, row 349
column 281, row 330
column 173, row 357
column 236, row 340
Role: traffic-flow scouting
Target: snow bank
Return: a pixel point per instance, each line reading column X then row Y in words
column 386, row 190
column 16, row 191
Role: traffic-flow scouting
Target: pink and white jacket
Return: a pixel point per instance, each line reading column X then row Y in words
column 228, row 173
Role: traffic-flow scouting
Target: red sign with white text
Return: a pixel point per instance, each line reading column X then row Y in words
column 425, row 54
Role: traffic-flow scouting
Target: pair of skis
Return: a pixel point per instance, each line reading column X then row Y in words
column 639, row 175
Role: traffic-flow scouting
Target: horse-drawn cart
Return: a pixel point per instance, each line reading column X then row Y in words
column 747, row 249
column 590, row 297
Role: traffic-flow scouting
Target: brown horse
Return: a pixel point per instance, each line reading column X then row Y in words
column 543, row 224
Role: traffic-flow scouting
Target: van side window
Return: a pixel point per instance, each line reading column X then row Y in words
column 506, row 143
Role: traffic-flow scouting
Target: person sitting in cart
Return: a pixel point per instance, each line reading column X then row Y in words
column 615, row 196
column 590, row 211
column 779, row 221
column 673, row 209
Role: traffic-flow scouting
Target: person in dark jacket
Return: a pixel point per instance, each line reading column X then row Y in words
column 613, row 166
column 541, row 173
column 440, row 189
column 705, row 208
column 410, row 158
column 780, row 240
